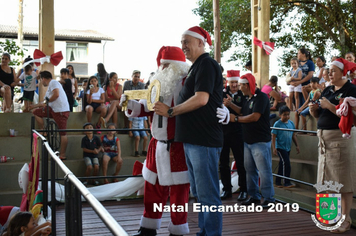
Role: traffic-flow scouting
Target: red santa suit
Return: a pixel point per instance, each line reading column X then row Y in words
column 6, row 213
column 165, row 170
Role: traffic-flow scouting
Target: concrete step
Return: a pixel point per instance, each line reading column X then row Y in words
column 10, row 198
column 18, row 121
column 9, row 172
column 18, row 147
column 22, row 122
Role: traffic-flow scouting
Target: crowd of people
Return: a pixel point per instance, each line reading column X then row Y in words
column 198, row 122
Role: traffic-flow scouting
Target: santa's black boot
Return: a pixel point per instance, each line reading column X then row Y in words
column 145, row 232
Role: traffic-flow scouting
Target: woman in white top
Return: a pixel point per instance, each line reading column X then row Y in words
column 73, row 79
column 96, row 100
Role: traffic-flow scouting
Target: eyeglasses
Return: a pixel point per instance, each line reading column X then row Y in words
column 136, row 76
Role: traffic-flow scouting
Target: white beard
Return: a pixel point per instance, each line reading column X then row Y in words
column 170, row 76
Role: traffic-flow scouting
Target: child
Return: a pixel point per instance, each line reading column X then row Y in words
column 139, row 123
column 67, row 86
column 23, row 224
column 281, row 145
column 314, row 96
column 91, row 147
column 296, row 75
column 29, row 77
column 82, row 93
column 112, row 151
column 326, row 78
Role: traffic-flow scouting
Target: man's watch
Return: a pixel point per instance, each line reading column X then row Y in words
column 236, row 118
column 170, row 112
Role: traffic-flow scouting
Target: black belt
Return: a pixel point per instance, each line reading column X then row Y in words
column 168, row 142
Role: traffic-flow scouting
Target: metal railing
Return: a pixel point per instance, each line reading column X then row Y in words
column 74, row 189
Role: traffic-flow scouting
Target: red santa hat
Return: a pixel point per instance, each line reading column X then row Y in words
column 199, row 33
column 344, row 65
column 249, row 79
column 233, row 75
column 168, row 54
column 6, row 212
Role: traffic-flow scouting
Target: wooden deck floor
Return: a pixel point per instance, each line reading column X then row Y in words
column 128, row 214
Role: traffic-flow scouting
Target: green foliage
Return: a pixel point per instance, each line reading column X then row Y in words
column 318, row 25
column 10, row 47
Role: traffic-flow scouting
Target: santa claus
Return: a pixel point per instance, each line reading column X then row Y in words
column 165, row 170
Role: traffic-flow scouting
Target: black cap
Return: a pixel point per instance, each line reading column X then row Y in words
column 86, row 124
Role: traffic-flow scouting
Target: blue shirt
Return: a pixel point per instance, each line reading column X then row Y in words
column 284, row 138
column 137, row 122
column 306, row 68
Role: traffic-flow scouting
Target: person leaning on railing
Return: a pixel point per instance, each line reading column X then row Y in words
column 337, row 159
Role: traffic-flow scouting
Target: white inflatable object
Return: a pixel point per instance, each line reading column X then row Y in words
column 23, row 178
column 111, row 191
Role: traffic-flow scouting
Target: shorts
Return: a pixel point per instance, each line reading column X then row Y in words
column 305, row 112
column 139, row 133
column 95, row 105
column 28, row 95
column 295, row 88
column 59, row 117
column 90, row 161
column 111, row 154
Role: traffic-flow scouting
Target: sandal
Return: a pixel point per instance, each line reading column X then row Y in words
column 342, row 230
column 96, row 183
column 103, row 122
column 63, row 158
column 106, row 181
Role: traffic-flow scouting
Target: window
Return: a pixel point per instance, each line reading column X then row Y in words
column 77, row 52
column 29, row 47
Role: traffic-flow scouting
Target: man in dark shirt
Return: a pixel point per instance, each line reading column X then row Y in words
column 197, row 125
column 257, row 141
column 135, row 83
column 67, row 86
column 233, row 139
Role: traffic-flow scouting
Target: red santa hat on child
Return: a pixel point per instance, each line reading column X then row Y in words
column 199, row 33
column 250, row 80
column 6, row 212
column 344, row 65
column 168, row 54
column 233, row 75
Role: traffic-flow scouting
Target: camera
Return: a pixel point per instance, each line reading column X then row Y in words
column 91, row 86
column 316, row 102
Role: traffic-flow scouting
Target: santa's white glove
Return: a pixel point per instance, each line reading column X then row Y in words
column 122, row 99
column 223, row 114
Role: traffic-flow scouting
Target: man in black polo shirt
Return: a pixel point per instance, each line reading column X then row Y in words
column 257, row 141
column 198, row 127
column 233, row 139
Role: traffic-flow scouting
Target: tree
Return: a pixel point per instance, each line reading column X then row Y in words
column 319, row 25
column 11, row 47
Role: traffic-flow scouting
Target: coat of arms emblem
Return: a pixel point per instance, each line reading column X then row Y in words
column 328, row 206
